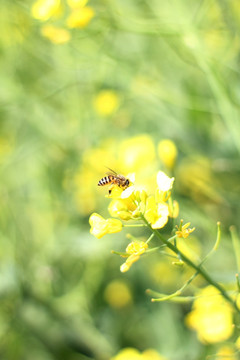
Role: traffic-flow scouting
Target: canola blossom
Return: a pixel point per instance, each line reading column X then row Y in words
column 101, row 227
column 211, row 316
column 212, row 313
column 183, row 231
column 134, row 203
column 131, row 203
column 134, row 249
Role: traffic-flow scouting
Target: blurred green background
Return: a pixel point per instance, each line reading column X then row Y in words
column 75, row 97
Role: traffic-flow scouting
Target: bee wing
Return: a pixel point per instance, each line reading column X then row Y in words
column 111, row 172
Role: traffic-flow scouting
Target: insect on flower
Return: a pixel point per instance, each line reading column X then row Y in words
column 113, row 178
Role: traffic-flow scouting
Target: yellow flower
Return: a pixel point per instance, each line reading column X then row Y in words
column 164, row 182
column 133, row 354
column 156, row 213
column 55, row 34
column 184, row 231
column 167, row 153
column 119, row 208
column 77, row 3
column 101, row 226
column 118, row 294
column 135, row 249
column 80, row 17
column 151, row 354
column 106, row 102
column 44, row 9
column 128, row 354
column 211, row 316
column 136, row 153
column 126, row 204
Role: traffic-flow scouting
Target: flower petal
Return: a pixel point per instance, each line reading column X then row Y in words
column 164, row 182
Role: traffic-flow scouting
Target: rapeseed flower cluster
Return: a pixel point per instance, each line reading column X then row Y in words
column 134, row 203
column 76, row 13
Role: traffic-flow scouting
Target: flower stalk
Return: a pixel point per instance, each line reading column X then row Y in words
column 190, row 263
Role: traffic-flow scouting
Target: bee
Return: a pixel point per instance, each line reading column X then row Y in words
column 113, row 178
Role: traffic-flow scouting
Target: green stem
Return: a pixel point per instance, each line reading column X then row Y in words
column 150, row 238
column 199, row 269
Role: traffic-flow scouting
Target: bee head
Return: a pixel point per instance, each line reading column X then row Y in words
column 127, row 182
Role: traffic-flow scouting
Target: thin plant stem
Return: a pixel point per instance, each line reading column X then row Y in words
column 189, row 262
column 150, row 238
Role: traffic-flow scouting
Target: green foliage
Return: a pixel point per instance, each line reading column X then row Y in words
column 174, row 68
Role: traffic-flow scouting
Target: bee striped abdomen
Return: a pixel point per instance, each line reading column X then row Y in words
column 105, row 180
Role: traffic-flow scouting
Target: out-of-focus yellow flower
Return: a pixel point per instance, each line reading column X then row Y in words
column 106, row 102
column 45, row 9
column 151, row 354
column 135, row 249
column 167, row 152
column 211, row 316
column 184, row 230
column 118, row 294
column 128, row 354
column 101, row 226
column 80, row 17
column 133, row 354
column 77, row 3
column 156, row 213
column 226, row 353
column 136, row 153
column 55, row 34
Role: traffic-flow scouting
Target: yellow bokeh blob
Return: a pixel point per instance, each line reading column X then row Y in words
column 167, row 152
column 118, row 294
column 55, row 34
column 45, row 9
column 106, row 102
column 80, row 17
column 211, row 316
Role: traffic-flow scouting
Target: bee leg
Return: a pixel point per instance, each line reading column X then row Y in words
column 110, row 190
